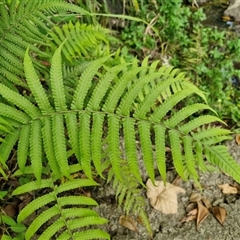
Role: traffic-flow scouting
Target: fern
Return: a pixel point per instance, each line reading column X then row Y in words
column 106, row 105
column 81, row 40
column 129, row 195
column 115, row 105
column 67, row 209
column 24, row 24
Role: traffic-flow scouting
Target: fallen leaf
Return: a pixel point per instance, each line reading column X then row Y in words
column 177, row 181
column 206, row 203
column 128, row 222
column 202, row 214
column 227, row 189
column 195, row 197
column 163, row 197
column 219, row 213
column 237, row 186
column 10, row 210
column 192, row 215
column 190, row 207
column 237, row 138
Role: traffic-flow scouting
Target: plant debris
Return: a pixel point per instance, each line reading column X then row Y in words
column 163, row 197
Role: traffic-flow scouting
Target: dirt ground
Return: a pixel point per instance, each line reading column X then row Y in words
column 169, row 227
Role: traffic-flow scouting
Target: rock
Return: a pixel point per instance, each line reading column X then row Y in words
column 233, row 10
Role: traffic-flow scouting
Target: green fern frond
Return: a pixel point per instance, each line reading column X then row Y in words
column 176, row 147
column 131, row 150
column 129, row 195
column 36, row 148
column 81, row 40
column 159, row 132
column 69, row 219
column 146, row 146
column 59, row 144
column 20, row 29
column 23, row 147
column 91, row 125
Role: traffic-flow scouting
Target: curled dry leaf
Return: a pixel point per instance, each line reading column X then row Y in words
column 192, row 215
column 195, row 197
column 207, row 203
column 202, row 214
column 219, row 213
column 227, row 189
column 177, row 181
column 128, row 222
column 163, row 198
column 237, row 138
column 237, row 186
column 190, row 207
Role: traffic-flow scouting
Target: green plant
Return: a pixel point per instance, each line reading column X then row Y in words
column 103, row 96
column 67, row 120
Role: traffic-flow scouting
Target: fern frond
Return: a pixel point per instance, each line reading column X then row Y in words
column 130, row 147
column 18, row 100
column 69, row 219
column 189, row 157
column 96, row 141
column 36, row 148
column 84, row 144
column 175, row 143
column 118, row 90
column 159, row 132
column 7, row 145
column 197, row 122
column 85, row 82
column 185, row 113
column 57, row 86
column 35, row 85
column 113, row 144
column 81, row 40
column 129, row 194
column 146, row 146
column 48, row 146
column 23, row 147
column 59, row 144
column 20, row 29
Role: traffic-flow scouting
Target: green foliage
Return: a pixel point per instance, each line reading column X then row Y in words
column 28, row 23
column 206, row 54
column 129, row 194
column 11, row 225
column 70, row 116
column 60, row 211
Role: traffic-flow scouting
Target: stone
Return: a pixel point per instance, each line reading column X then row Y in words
column 233, row 10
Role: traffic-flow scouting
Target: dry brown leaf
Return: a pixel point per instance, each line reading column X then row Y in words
column 177, row 181
column 237, row 186
column 195, row 197
column 163, row 198
column 190, row 207
column 237, row 138
column 128, row 222
column 202, row 214
column 219, row 213
column 227, row 189
column 206, row 203
column 10, row 210
column 192, row 215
